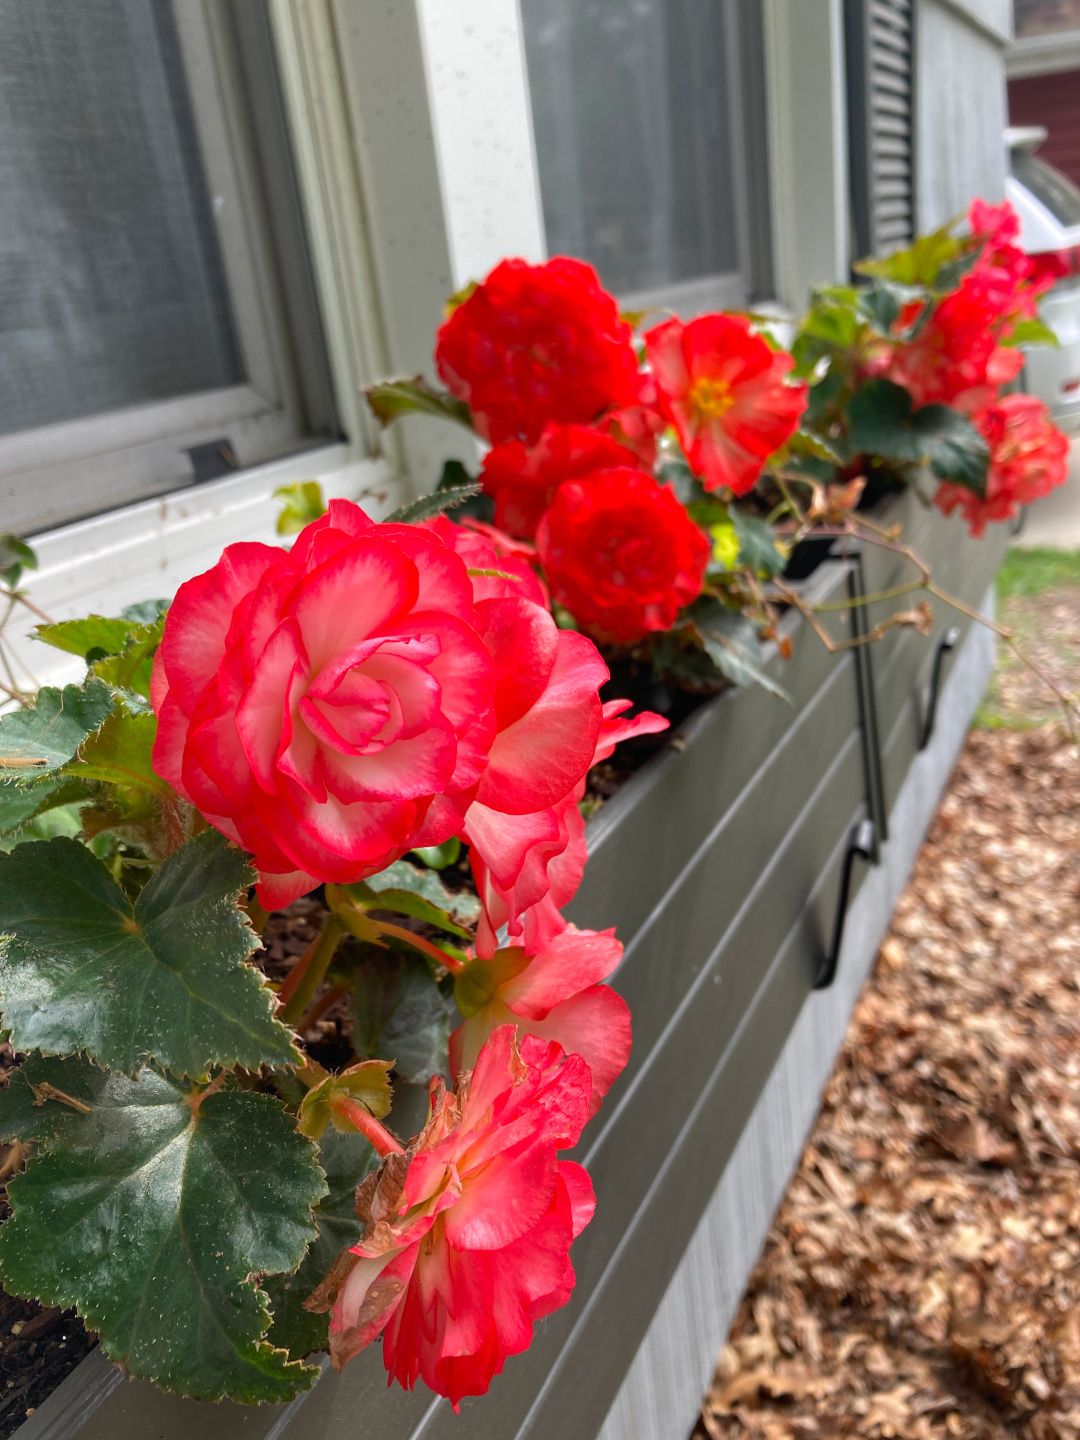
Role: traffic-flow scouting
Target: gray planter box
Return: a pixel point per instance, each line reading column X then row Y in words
column 719, row 862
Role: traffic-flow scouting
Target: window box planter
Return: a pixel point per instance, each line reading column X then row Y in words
column 720, row 864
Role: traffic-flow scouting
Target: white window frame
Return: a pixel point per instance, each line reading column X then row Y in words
column 140, row 450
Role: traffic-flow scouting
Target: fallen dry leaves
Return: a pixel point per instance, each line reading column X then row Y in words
column 922, row 1278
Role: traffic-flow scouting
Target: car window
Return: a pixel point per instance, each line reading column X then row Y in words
column 1049, row 186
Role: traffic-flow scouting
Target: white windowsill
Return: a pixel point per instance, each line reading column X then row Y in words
column 143, row 551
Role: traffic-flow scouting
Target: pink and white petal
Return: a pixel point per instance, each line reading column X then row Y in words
column 260, row 714
column 359, row 593
column 571, row 962
column 580, row 1193
column 200, row 615
column 463, row 667
column 276, row 889
column 536, row 761
column 594, row 1024
column 523, row 641
column 405, row 770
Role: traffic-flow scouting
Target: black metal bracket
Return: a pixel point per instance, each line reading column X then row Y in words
column 867, row 701
column 861, row 846
column 948, row 641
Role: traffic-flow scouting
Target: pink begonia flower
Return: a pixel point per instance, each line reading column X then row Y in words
column 527, row 867
column 333, row 707
column 554, row 994
column 468, row 1232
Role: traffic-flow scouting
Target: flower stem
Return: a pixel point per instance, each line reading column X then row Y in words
column 360, row 1116
column 308, row 973
column 418, row 942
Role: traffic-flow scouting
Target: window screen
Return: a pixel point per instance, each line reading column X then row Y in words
column 111, row 286
column 635, row 140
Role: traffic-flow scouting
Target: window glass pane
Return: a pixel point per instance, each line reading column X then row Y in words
column 1042, row 17
column 111, row 288
column 629, row 101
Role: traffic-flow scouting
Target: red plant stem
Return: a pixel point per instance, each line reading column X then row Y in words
column 400, row 933
column 358, row 1115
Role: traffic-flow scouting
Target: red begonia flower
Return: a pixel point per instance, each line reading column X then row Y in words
column 332, row 707
column 528, row 867
column 468, row 1233
column 723, row 389
column 534, row 344
column 482, row 547
column 554, row 993
column 1016, row 278
column 639, row 426
column 523, row 480
column 621, row 553
column 1028, row 457
column 955, row 358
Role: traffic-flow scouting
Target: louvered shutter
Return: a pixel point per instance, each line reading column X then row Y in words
column 880, row 55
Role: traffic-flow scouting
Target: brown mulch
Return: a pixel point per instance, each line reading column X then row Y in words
column 922, row 1277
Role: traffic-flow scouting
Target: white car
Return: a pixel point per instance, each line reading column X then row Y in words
column 1048, row 204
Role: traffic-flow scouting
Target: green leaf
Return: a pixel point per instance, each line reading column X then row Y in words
column 15, row 557
column 145, row 612
column 131, row 670
column 757, row 543
column 121, row 753
column 437, row 503
column 823, row 397
column 883, row 422
column 881, row 303
column 400, row 1014
column 51, row 730
column 454, row 476
column 345, row 1160
column 1031, row 332
column 391, row 399
column 303, row 503
column 402, row 879
column 731, row 643
column 19, row 802
column 438, row 857
column 151, row 1215
column 164, row 979
column 919, row 264
column 92, row 632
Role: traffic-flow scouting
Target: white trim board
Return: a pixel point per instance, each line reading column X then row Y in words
column 666, row 1383
column 147, row 550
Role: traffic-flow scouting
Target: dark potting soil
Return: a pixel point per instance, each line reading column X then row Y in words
column 39, row 1345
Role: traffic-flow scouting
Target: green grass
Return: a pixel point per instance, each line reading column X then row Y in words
column 1030, row 572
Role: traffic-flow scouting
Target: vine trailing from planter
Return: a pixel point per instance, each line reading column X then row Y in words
column 343, row 717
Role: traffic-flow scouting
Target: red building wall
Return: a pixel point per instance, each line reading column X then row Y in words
column 1053, row 101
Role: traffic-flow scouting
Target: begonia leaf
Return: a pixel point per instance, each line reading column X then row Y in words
column 757, row 543
column 345, row 1160
column 81, row 968
column 38, row 740
column 884, row 422
column 1031, row 332
column 151, row 1211
column 121, row 752
column 438, row 857
column 409, row 890
column 921, row 263
column 437, row 503
column 91, row 632
column 131, row 669
column 15, row 557
column 303, row 503
column 391, row 399
column 731, row 643
column 400, row 1013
